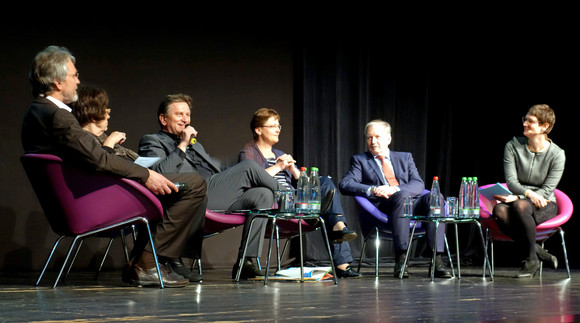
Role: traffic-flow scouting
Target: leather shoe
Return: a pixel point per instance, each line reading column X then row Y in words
column 249, row 270
column 546, row 257
column 138, row 276
column 348, row 273
column 399, row 267
column 529, row 269
column 440, row 270
column 177, row 266
column 344, row 235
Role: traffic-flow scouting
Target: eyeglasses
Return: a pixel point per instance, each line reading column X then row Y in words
column 278, row 126
column 530, row 121
column 75, row 75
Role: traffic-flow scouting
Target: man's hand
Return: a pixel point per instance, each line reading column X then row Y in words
column 158, row 184
column 188, row 133
column 385, row 191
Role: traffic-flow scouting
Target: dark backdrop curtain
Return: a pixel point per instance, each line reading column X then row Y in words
column 453, row 107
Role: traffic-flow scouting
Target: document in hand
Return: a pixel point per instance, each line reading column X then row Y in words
column 496, row 189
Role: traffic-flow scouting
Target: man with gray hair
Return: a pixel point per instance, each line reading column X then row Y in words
column 385, row 177
column 50, row 128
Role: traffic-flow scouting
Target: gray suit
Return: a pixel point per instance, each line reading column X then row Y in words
column 245, row 185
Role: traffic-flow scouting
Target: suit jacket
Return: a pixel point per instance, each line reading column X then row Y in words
column 48, row 129
column 364, row 172
column 173, row 159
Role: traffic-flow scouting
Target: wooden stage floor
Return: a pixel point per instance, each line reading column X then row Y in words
column 553, row 298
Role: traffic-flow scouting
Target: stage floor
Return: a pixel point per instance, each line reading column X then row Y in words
column 553, row 298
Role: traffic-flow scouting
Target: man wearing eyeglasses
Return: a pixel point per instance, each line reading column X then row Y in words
column 244, row 186
column 49, row 127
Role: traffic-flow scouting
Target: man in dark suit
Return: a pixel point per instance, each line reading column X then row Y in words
column 243, row 186
column 49, row 127
column 386, row 177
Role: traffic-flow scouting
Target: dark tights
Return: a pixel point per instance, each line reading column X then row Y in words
column 517, row 222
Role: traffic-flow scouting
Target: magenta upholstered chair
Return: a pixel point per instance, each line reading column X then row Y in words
column 80, row 203
column 543, row 231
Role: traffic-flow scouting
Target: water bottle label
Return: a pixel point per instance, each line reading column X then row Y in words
column 435, row 212
column 301, row 206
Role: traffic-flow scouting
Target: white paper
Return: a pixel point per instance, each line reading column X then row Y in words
column 147, row 161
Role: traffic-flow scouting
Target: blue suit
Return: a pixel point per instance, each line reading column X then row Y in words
column 364, row 172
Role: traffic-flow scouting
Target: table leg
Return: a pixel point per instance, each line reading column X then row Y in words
column 301, row 251
column 269, row 250
column 434, row 250
column 457, row 251
column 485, row 251
column 325, row 235
column 241, row 260
column 408, row 250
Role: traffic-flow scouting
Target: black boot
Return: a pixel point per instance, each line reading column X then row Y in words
column 546, row 257
column 529, row 269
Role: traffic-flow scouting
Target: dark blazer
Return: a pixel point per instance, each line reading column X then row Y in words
column 173, row 159
column 48, row 129
column 364, row 172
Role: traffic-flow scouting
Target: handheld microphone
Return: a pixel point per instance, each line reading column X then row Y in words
column 192, row 140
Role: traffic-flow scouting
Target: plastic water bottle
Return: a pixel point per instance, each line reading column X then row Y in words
column 470, row 199
column 314, row 199
column 464, row 198
column 302, row 192
column 434, row 200
column 475, row 198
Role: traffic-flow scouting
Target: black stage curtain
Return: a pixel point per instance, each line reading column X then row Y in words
column 453, row 109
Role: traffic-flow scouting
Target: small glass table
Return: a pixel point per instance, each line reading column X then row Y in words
column 274, row 215
column 447, row 220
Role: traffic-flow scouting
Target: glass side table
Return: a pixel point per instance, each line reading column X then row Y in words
column 274, row 216
column 454, row 221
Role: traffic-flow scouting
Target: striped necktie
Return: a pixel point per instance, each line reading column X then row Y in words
column 389, row 175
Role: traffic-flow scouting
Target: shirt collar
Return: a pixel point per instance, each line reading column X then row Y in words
column 387, row 154
column 59, row 103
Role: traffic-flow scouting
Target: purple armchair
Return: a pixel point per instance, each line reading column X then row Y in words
column 79, row 203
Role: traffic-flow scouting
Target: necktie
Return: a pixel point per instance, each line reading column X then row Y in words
column 389, row 175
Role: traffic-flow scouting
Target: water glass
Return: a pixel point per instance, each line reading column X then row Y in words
column 408, row 206
column 284, row 201
column 452, row 207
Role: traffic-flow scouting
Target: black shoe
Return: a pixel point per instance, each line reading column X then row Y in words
column 529, row 269
column 327, row 201
column 440, row 270
column 546, row 257
column 177, row 266
column 138, row 276
column 344, row 235
column 348, row 273
column 249, row 270
column 399, row 267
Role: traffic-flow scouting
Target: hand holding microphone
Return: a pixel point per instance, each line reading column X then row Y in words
column 187, row 137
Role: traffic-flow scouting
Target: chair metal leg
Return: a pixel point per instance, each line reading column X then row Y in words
column 565, row 251
column 48, row 260
column 70, row 249
column 362, row 252
column 377, row 245
column 105, row 256
column 154, row 253
column 73, row 259
column 451, row 259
